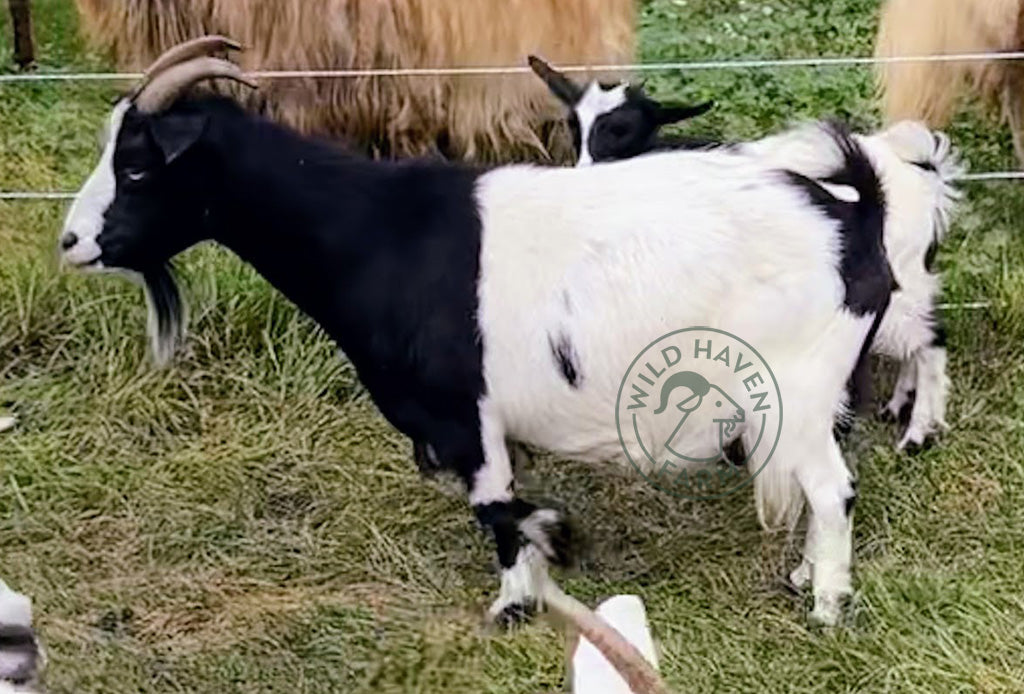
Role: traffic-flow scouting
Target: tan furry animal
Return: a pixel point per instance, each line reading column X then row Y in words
column 482, row 118
column 930, row 91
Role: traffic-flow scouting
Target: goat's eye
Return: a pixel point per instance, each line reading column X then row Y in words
column 135, row 175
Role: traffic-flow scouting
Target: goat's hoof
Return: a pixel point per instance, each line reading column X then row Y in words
column 514, row 614
column 915, row 448
column 916, row 441
column 828, row 609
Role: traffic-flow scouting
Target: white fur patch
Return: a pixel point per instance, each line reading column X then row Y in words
column 595, row 102
column 493, row 481
column 640, row 248
column 85, row 218
column 521, row 585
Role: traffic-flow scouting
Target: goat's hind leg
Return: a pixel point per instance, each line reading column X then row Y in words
column 830, row 491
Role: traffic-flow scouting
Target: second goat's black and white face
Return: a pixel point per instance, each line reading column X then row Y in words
column 612, row 121
column 600, row 118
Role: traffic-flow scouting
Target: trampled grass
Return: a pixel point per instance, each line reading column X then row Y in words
column 247, row 522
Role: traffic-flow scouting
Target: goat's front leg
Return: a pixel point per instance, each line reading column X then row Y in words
column 528, row 537
column 830, row 491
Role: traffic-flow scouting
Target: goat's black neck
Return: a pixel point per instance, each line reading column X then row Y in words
column 384, row 255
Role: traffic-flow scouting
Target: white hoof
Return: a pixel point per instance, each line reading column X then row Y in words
column 828, row 608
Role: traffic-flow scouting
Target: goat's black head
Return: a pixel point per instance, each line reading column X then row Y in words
column 609, row 121
column 143, row 202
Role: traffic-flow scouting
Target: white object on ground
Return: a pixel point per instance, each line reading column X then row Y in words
column 591, row 673
column 15, row 608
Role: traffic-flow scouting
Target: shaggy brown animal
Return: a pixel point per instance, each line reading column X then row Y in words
column 482, row 118
column 930, row 91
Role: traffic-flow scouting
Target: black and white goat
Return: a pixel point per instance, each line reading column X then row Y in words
column 917, row 168
column 486, row 306
column 21, row 658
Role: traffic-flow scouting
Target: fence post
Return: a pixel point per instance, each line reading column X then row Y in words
column 21, row 20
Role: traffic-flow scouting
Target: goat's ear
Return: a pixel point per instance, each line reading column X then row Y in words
column 174, row 133
column 673, row 113
column 568, row 92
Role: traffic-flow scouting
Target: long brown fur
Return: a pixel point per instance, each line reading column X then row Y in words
column 931, row 91
column 481, row 118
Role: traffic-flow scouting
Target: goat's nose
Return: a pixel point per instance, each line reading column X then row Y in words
column 68, row 239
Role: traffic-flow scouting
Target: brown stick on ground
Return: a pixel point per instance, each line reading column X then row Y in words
column 623, row 656
column 21, row 20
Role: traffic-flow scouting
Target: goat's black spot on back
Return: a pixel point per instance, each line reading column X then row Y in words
column 864, row 267
column 566, row 358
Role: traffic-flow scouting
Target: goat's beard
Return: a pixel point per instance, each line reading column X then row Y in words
column 166, row 319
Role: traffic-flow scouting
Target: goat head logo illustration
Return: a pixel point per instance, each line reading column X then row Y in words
column 718, row 410
column 699, row 387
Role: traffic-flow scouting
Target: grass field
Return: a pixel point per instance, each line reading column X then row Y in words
column 246, row 521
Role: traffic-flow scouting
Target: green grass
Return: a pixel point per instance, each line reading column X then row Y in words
column 247, row 522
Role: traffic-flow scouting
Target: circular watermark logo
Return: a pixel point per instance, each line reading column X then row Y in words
column 695, row 409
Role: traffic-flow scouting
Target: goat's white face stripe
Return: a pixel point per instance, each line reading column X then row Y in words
column 595, row 102
column 85, row 218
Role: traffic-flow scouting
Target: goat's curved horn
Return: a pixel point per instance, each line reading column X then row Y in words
column 172, row 82
column 195, row 48
column 622, row 655
column 561, row 86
